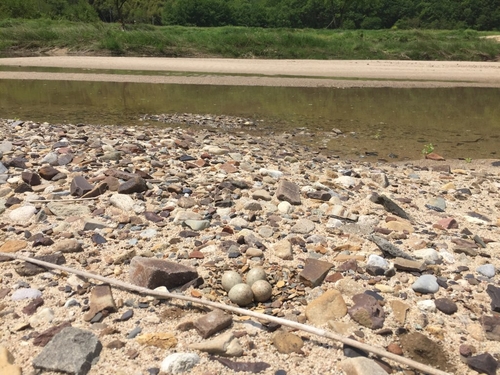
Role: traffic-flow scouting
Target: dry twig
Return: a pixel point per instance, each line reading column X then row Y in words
column 240, row 311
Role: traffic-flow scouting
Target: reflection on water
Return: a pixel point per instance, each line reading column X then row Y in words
column 459, row 122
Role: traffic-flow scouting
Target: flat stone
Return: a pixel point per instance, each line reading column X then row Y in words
column 7, row 363
column 261, row 194
column 399, row 226
column 177, row 363
column 25, row 293
column 446, row 306
column 389, row 248
column 361, row 366
column 225, row 344
column 101, row 298
column 287, row 342
column 93, row 224
column 491, row 327
column 99, row 189
column 483, row 363
column 31, row 178
column 134, row 185
column 380, row 178
column 407, row 265
column 162, row 340
column 80, row 186
column 44, row 337
column 366, row 311
column 71, row 351
column 494, row 293
column 12, row 246
column 48, row 172
column 426, row 284
column 31, row 269
column 68, row 246
column 65, row 209
column 314, row 272
column 122, row 201
column 31, row 307
column 289, row 192
column 213, row 322
column 448, row 223
column 42, row 317
column 303, row 226
column 487, row 270
column 283, row 249
column 422, row 349
column 399, row 309
column 389, row 205
column 197, row 224
column 329, row 306
column 22, row 214
column 152, row 273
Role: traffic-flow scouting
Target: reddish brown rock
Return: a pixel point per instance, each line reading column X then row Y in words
column 152, row 273
column 448, row 223
column 314, row 272
column 48, row 172
column 31, row 178
column 213, row 322
column 134, row 185
column 288, row 191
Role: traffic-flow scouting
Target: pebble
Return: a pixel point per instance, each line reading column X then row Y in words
column 487, row 270
column 426, row 284
column 178, row 363
column 7, row 363
column 329, row 306
column 25, row 293
column 225, row 344
column 22, row 214
column 446, row 305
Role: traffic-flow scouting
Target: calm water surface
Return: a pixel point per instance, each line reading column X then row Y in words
column 376, row 122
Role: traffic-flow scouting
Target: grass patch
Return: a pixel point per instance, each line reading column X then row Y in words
column 27, row 37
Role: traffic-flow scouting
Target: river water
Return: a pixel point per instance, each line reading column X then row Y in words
column 376, row 123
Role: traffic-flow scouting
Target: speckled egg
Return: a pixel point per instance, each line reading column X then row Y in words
column 255, row 274
column 262, row 290
column 230, row 279
column 241, row 294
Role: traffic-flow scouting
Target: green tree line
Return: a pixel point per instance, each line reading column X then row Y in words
column 315, row 14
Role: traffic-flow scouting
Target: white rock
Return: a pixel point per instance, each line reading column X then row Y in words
column 271, row 173
column 430, row 255
column 122, row 201
column 377, row 261
column 22, row 214
column 43, row 316
column 346, row 181
column 179, row 362
column 427, row 305
column 285, row 207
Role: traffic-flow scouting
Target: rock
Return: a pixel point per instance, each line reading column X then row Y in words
column 80, row 186
column 434, row 156
column 162, row 340
column 389, row 205
column 252, row 367
column 426, row 305
column 261, row 194
column 255, row 274
column 491, row 327
column 22, row 214
column 483, row 363
column 197, row 224
column 377, row 262
column 225, row 344
column 241, row 294
column 31, row 178
column 25, row 293
column 286, row 343
column 285, row 207
column 71, row 351
column 446, row 305
column 152, row 273
column 448, row 223
column 213, row 322
column 487, row 270
column 262, row 290
column 42, row 317
column 230, row 279
column 101, row 298
column 122, row 201
column 389, row 248
column 399, row 310
column 380, row 178
column 429, row 255
column 367, row 312
column 314, row 272
column 346, row 181
column 407, row 265
column 422, row 349
column 48, row 172
column 494, row 293
column 66, row 210
column 283, row 249
column 134, row 185
column 7, row 366
column 426, row 284
column 93, row 224
column 31, row 307
column 361, row 366
column 43, row 338
column 178, row 363
column 303, row 226
column 289, row 192
column 329, row 306
column 12, row 246
column 68, row 246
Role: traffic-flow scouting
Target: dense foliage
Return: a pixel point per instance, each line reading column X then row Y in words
column 316, row 14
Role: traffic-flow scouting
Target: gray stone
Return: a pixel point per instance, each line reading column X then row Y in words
column 437, row 202
column 5, row 146
column 426, row 284
column 197, row 224
column 80, row 186
column 289, row 192
column 152, row 273
column 388, row 247
column 377, row 261
column 380, row 178
column 25, row 293
column 92, row 224
column 71, row 351
column 303, row 226
column 483, row 363
column 65, row 210
column 3, row 169
column 487, row 270
column 491, row 326
column 177, row 363
column 389, row 205
column 366, row 311
column 213, row 322
column 261, row 194
column 68, row 246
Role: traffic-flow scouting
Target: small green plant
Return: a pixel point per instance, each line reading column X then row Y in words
column 468, row 160
column 428, row 148
column 377, row 135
